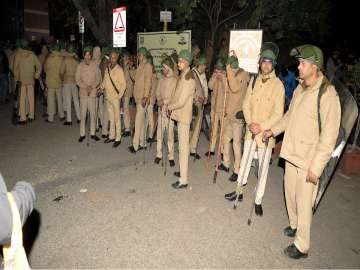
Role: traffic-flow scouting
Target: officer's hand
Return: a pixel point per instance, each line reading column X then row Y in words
column 267, row 134
column 168, row 113
column 255, row 128
column 144, row 102
column 312, row 178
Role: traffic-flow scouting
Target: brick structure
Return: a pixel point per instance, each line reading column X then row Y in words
column 36, row 19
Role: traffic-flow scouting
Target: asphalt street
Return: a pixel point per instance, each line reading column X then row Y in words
column 100, row 207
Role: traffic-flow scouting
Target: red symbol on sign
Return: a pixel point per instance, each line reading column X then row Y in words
column 119, row 24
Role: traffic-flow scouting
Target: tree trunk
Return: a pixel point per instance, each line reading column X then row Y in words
column 91, row 23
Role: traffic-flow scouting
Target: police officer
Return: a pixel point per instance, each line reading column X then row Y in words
column 263, row 107
column 114, row 84
column 180, row 110
column 164, row 91
column 238, row 80
column 142, row 90
column 52, row 68
column 200, row 99
column 88, row 78
column 305, row 148
column 71, row 92
column 218, row 83
column 26, row 68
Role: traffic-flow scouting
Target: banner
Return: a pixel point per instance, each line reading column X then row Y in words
column 159, row 43
column 247, row 45
column 119, row 27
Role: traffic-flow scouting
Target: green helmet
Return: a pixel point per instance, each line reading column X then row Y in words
column 168, row 62
column 220, row 64
column 202, row 60
column 185, row 54
column 149, row 58
column 24, row 43
column 115, row 50
column 70, row 48
column 233, row 62
column 106, row 49
column 143, row 51
column 18, row 43
column 55, row 47
column 62, row 45
column 310, row 53
column 88, row 48
column 269, row 50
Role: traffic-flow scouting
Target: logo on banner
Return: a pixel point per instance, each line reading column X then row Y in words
column 119, row 24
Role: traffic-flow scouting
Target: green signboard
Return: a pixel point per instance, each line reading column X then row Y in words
column 160, row 43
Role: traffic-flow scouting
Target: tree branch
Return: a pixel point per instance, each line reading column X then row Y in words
column 233, row 16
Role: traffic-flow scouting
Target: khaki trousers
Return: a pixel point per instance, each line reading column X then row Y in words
column 87, row 104
column 232, row 130
column 150, row 120
column 113, row 107
column 55, row 97
column 300, row 197
column 126, row 106
column 103, row 115
column 215, row 124
column 197, row 128
column 184, row 151
column 139, row 134
column 71, row 92
column 263, row 177
column 26, row 101
column 165, row 125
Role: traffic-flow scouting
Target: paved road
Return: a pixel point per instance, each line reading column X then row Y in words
column 130, row 217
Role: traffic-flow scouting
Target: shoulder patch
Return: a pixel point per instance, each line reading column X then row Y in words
column 189, row 75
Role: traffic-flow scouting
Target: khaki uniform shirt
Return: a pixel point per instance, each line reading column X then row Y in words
column 143, row 77
column 88, row 76
column 303, row 146
column 264, row 105
column 182, row 99
column 68, row 69
column 118, row 78
column 52, row 68
column 27, row 67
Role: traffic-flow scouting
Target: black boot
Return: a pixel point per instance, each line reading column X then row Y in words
column 132, row 149
column 258, row 210
column 157, row 160
column 223, row 168
column 178, row 185
column 81, row 138
column 150, row 140
column 196, row 155
column 126, row 133
column 211, row 153
column 67, row 123
column 172, row 163
column 292, row 252
column 232, row 196
column 95, row 138
column 288, row 231
column 177, row 174
column 233, row 177
column 107, row 140
column 116, row 144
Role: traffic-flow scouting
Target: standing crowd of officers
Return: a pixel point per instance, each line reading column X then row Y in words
column 100, row 83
